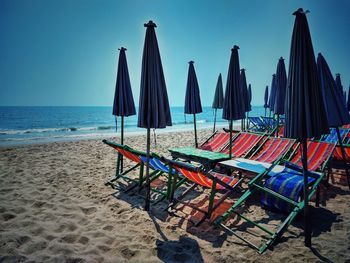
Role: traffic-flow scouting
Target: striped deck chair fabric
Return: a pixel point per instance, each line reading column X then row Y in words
column 242, row 144
column 156, row 164
column 201, row 179
column 288, row 183
column 217, row 142
column 332, row 137
column 281, row 131
column 131, row 156
column 337, row 154
column 272, row 150
column 257, row 124
column 317, row 154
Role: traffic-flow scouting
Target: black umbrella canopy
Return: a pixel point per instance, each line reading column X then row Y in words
column 192, row 99
column 348, row 103
column 304, row 108
column 337, row 113
column 233, row 103
column 154, row 110
column 249, row 102
column 281, row 84
column 272, row 93
column 338, row 82
column 244, row 88
column 266, row 97
column 123, row 100
column 218, row 102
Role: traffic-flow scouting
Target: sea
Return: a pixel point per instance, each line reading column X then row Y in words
column 35, row 125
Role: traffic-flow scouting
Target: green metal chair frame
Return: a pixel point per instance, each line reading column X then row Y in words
column 257, row 185
column 216, row 184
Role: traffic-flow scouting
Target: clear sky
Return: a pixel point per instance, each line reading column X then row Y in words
column 65, row 52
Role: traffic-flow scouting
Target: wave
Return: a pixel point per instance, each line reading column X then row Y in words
column 54, row 130
column 85, row 129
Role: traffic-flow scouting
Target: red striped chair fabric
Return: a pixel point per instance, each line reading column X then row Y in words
column 317, row 154
column 338, row 155
column 201, row 179
column 272, row 150
column 243, row 143
column 129, row 155
column 218, row 141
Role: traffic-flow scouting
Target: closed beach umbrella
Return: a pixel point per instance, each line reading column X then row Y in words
column 266, row 98
column 281, row 84
column 123, row 105
column 249, row 102
column 244, row 90
column 218, row 102
column 338, row 82
column 348, row 104
column 337, row 113
column 304, row 108
column 233, row 104
column 272, row 93
column 192, row 99
column 154, row 110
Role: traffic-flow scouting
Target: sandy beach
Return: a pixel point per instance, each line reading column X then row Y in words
column 54, row 207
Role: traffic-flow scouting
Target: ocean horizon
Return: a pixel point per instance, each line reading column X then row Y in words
column 22, row 125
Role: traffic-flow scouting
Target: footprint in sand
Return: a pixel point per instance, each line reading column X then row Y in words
column 108, row 228
column 7, row 216
column 69, row 238
column 83, row 240
column 88, row 210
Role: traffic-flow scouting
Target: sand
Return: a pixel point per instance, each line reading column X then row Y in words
column 54, row 207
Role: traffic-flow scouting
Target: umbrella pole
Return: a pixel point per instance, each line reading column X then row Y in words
column 230, row 139
column 122, row 142
column 247, row 127
column 195, row 131
column 214, row 120
column 307, row 218
column 148, row 183
column 277, row 124
column 343, row 155
column 265, row 112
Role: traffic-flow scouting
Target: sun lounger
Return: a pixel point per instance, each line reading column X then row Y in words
column 216, row 182
column 134, row 157
column 272, row 149
column 280, row 190
column 243, row 143
column 256, row 124
column 216, row 141
column 156, row 164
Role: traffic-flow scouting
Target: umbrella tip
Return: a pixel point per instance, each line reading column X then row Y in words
column 281, row 58
column 301, row 11
column 235, row 47
column 150, row 24
column 191, row 62
column 243, row 69
column 122, row 49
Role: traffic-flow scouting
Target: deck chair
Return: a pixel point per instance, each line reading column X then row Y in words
column 156, row 164
column 216, row 141
column 135, row 157
column 318, row 155
column 243, row 143
column 197, row 176
column 332, row 137
column 256, row 124
column 281, row 189
column 272, row 150
column 270, row 122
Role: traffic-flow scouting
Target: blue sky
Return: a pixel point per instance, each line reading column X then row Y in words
column 64, row 53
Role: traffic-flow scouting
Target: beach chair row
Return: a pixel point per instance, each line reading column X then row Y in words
column 281, row 184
